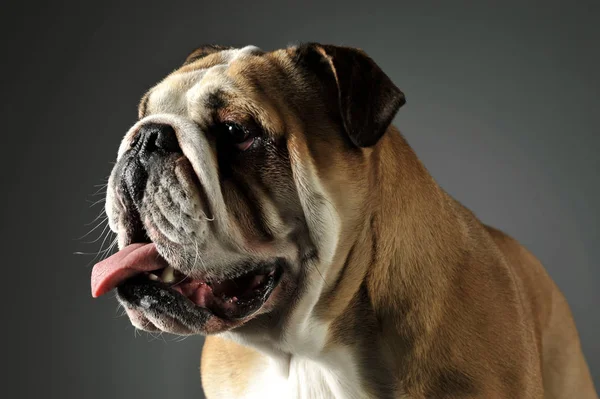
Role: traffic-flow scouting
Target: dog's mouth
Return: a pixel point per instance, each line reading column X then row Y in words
column 145, row 280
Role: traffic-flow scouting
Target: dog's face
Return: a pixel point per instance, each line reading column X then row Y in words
column 231, row 193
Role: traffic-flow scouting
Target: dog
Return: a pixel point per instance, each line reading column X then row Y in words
column 264, row 199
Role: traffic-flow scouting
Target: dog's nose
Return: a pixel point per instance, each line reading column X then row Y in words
column 153, row 137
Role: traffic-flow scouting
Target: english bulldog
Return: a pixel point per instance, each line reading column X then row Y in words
column 263, row 199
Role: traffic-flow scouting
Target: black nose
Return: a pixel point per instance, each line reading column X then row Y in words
column 154, row 137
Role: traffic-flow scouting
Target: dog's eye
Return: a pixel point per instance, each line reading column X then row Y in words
column 239, row 135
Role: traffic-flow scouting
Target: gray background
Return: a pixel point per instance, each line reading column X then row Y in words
column 503, row 105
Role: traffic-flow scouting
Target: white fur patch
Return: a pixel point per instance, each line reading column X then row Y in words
column 333, row 377
column 305, row 335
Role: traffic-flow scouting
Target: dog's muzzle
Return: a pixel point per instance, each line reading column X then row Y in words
column 172, row 265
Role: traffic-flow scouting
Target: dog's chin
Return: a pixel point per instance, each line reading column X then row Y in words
column 201, row 306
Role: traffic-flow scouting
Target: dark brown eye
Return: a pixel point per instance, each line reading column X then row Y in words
column 239, row 136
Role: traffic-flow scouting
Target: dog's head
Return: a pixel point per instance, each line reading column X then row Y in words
column 233, row 191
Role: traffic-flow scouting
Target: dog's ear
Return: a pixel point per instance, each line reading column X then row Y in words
column 367, row 98
column 203, row 51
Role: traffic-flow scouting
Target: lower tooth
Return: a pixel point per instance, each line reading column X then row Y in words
column 168, row 275
column 153, row 277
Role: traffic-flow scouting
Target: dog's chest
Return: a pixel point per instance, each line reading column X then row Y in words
column 306, row 379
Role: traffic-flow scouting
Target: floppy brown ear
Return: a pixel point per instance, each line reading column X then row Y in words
column 367, row 98
column 203, row 51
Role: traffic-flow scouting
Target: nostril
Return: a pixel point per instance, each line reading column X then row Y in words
column 167, row 139
column 152, row 137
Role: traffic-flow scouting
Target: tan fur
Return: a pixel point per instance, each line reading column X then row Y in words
column 227, row 362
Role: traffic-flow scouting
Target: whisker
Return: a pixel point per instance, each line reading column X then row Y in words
column 102, row 253
column 92, row 230
column 94, row 203
column 198, row 257
column 100, row 236
column 111, row 246
column 179, row 282
column 97, row 217
column 204, row 217
column 106, row 235
column 120, row 308
column 100, row 189
column 318, row 271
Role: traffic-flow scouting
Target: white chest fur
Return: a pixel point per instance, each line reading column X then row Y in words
column 305, row 379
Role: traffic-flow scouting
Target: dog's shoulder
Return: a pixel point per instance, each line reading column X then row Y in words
column 535, row 286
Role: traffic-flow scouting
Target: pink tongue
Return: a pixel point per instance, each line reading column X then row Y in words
column 131, row 260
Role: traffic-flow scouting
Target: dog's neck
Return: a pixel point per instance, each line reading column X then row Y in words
column 411, row 235
column 389, row 284
column 423, row 236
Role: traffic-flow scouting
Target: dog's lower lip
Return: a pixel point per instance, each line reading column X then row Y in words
column 233, row 299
